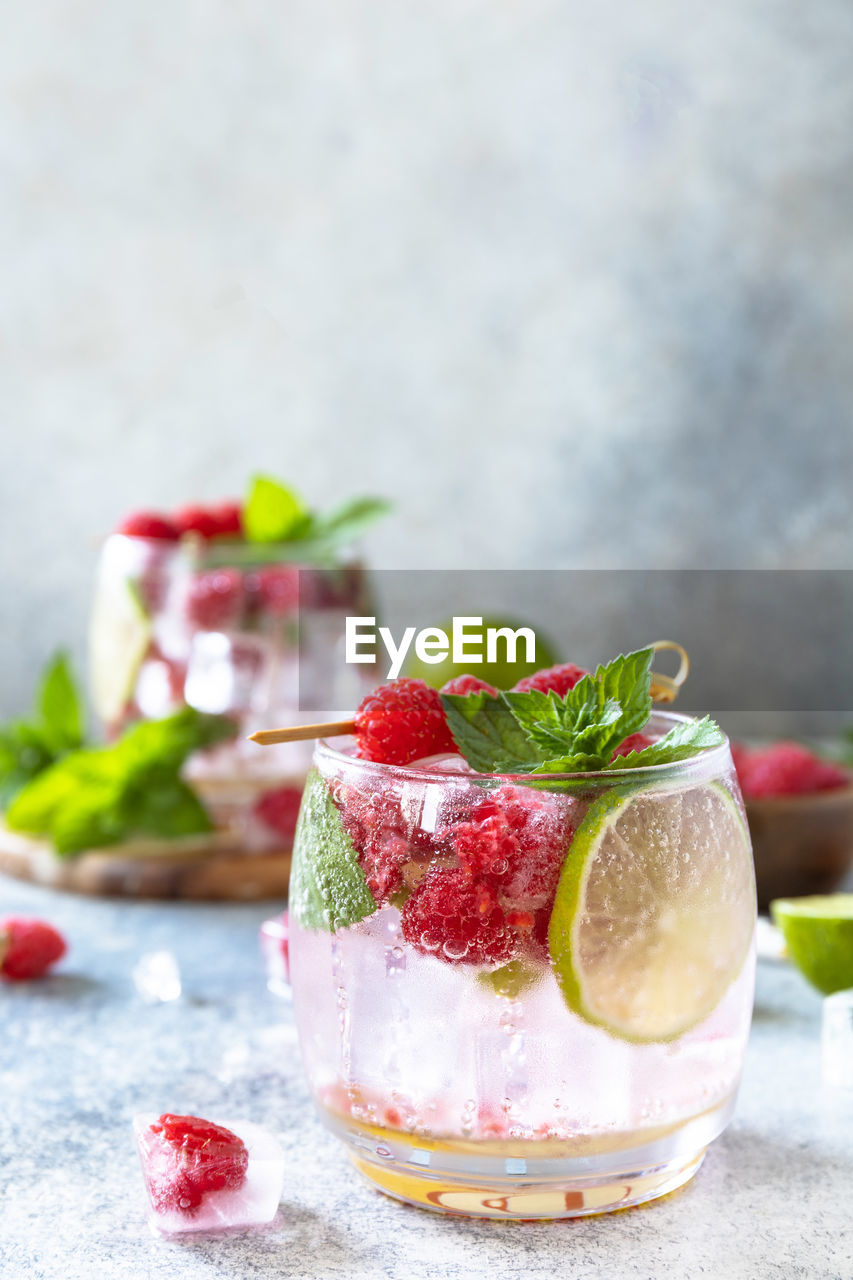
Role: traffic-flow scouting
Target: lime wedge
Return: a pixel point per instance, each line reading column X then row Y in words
column 655, row 910
column 818, row 933
column 119, row 636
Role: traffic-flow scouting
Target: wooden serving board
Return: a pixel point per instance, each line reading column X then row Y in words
column 207, row 867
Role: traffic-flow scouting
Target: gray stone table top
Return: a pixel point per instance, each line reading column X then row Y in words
column 81, row 1052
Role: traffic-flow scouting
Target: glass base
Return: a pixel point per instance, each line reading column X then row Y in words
column 529, row 1181
column 544, row 1201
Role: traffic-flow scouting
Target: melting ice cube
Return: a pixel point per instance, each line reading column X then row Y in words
column 252, row 1203
column 157, row 977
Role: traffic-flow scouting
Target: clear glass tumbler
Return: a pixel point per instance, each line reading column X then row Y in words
column 523, row 998
column 239, row 629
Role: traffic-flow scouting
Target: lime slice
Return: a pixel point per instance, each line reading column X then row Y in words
column 119, row 636
column 655, row 910
column 502, row 674
column 818, row 933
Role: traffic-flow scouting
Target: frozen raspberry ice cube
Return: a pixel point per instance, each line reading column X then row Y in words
column 206, row 1176
column 215, row 599
column 458, row 918
column 387, row 837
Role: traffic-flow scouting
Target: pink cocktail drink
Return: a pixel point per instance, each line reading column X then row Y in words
column 524, row 996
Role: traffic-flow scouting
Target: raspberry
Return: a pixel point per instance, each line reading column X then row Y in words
column 275, row 589
column 148, row 524
column 279, row 810
column 197, row 519
column 786, row 768
column 228, row 518
column 497, row 902
column 382, row 837
column 458, row 918
column 191, row 1158
column 402, row 721
column 28, row 948
column 561, row 679
column 519, row 837
column 215, row 599
column 463, row 685
column 634, row 742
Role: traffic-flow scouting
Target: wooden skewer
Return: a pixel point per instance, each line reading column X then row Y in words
column 662, row 689
column 302, row 732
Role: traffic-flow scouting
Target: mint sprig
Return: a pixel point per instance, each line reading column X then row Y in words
column 29, row 746
column 98, row 796
column 275, row 513
column 535, row 732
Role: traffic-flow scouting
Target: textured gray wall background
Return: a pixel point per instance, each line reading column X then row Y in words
column 572, row 281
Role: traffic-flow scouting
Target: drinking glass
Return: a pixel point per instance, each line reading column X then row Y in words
column 523, row 997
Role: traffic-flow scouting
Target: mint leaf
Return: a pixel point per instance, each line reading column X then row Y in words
column 60, row 706
column 327, row 886
column 555, row 724
column 349, row 520
column 682, row 741
column 100, row 796
column 593, row 717
column 488, row 734
column 542, row 733
column 274, row 513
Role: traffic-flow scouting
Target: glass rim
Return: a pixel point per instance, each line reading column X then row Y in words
column 225, row 552
column 715, row 758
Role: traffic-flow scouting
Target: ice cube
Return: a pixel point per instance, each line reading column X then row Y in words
column 837, row 1040
column 252, row 1203
column 224, row 671
column 157, row 977
column 274, row 937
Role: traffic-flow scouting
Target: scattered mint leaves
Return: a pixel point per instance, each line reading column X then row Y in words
column 24, row 754
column 488, row 734
column 542, row 733
column 99, row 796
column 327, row 886
column 29, row 746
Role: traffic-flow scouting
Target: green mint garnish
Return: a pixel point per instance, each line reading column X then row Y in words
column 536, row 732
column 275, row 513
column 487, row 733
column 682, row 741
column 29, row 746
column 99, row 796
column 327, row 886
